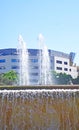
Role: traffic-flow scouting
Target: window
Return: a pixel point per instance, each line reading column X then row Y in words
column 65, row 63
column 2, row 67
column 2, row 60
column 34, row 74
column 35, row 67
column 34, row 60
column 33, row 80
column 59, row 62
column 15, row 67
column 69, row 69
column 14, row 60
column 65, row 69
column 59, row 68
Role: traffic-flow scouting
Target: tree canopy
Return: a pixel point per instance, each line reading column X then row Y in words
column 9, row 78
column 63, row 78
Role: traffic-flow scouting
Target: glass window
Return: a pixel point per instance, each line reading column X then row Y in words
column 69, row 69
column 65, row 63
column 34, row 74
column 59, row 62
column 2, row 60
column 35, row 67
column 59, row 68
column 34, row 60
column 66, row 69
column 14, row 60
column 15, row 67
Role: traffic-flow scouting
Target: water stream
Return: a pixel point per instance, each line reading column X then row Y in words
column 24, row 62
column 45, row 65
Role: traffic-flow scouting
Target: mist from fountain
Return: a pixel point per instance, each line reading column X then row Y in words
column 45, row 67
column 24, row 62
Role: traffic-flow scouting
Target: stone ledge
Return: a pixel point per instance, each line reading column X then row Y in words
column 39, row 87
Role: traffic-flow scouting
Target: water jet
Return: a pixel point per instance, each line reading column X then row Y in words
column 23, row 62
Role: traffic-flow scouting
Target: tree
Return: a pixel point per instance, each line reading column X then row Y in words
column 10, row 78
column 76, row 80
column 1, row 79
column 61, row 78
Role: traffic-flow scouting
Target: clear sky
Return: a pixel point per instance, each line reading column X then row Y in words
column 56, row 20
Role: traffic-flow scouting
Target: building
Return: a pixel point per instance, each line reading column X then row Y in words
column 78, row 70
column 60, row 62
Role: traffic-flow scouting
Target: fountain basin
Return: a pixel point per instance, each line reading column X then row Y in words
column 39, row 108
column 39, row 87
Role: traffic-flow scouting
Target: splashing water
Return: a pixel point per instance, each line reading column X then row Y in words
column 24, row 64
column 39, row 109
column 45, row 69
column 46, row 72
column 45, row 77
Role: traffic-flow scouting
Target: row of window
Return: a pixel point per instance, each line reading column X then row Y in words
column 32, row 60
column 17, row 60
column 60, row 62
column 13, row 67
column 36, row 67
column 65, row 69
column 12, row 60
column 17, row 67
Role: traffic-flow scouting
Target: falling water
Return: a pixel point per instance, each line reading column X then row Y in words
column 39, row 109
column 45, row 68
column 24, row 64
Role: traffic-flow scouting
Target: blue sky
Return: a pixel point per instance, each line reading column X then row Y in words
column 57, row 20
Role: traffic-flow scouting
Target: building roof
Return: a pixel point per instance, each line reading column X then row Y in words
column 13, row 51
column 9, row 51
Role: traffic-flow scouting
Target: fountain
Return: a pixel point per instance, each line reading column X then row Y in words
column 44, row 107
column 24, row 62
column 45, row 71
column 45, row 77
column 39, row 109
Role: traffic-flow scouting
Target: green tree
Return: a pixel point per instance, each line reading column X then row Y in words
column 10, row 78
column 1, row 79
column 76, row 80
column 61, row 78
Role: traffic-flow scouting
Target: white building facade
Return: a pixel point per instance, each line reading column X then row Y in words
column 60, row 62
column 62, row 65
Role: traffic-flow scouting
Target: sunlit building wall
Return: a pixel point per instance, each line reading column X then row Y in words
column 60, row 62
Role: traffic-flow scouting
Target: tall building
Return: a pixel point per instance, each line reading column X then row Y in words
column 60, row 62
